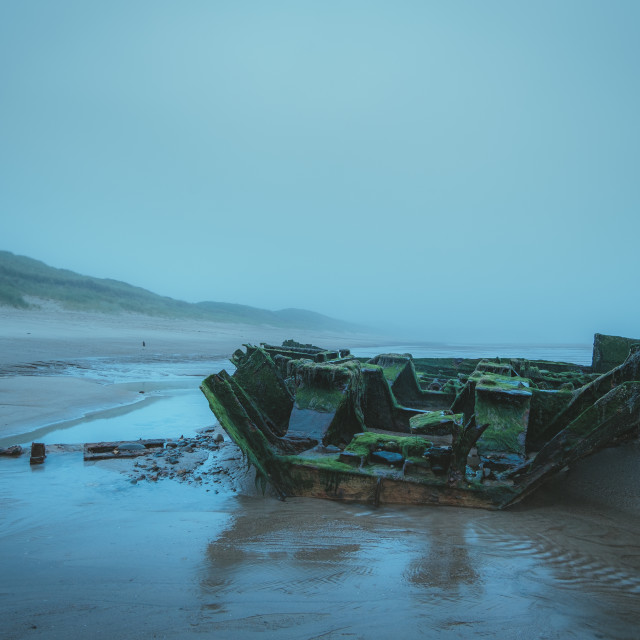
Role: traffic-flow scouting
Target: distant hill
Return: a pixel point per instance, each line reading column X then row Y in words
column 22, row 278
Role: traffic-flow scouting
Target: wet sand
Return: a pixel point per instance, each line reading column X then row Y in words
column 87, row 553
column 47, row 341
column 27, row 337
column 28, row 401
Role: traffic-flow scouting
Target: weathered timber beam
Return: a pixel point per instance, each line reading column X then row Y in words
column 585, row 396
column 464, row 438
column 613, row 416
column 235, row 421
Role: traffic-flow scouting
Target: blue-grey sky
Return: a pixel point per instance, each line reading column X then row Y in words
column 465, row 171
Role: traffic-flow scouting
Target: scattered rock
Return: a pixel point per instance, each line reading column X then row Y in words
column 131, row 446
column 439, row 458
column 499, row 462
column 12, row 452
column 350, row 458
column 387, row 457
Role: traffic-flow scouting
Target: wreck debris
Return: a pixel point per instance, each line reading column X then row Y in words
column 454, row 431
column 186, row 459
column 112, row 450
column 38, row 453
column 464, row 438
column 610, row 351
column 12, row 452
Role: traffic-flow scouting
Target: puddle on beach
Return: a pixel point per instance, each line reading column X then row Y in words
column 174, row 413
column 171, row 403
column 85, row 553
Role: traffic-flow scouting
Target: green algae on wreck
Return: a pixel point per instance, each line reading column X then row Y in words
column 610, row 351
column 476, row 433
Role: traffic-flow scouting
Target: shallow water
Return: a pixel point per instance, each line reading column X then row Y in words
column 85, row 553
column 172, row 404
column 169, row 414
column 576, row 353
column 151, row 368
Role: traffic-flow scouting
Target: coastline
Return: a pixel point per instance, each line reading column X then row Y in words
column 45, row 335
column 37, row 344
column 31, row 402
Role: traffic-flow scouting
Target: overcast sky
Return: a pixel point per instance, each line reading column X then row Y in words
column 465, row 171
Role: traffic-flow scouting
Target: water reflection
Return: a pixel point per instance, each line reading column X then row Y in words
column 554, row 567
column 563, row 565
column 445, row 564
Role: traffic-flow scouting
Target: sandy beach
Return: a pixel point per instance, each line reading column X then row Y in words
column 31, row 336
column 27, row 402
column 38, row 340
column 150, row 549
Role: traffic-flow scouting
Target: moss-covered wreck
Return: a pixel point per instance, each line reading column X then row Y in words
column 394, row 429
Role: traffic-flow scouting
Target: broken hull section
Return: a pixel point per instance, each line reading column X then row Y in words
column 312, row 481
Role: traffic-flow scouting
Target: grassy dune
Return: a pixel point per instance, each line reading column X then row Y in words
column 23, row 278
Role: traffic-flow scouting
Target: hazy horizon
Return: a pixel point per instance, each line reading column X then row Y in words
column 446, row 171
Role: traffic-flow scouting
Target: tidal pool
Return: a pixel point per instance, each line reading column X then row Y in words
column 168, row 414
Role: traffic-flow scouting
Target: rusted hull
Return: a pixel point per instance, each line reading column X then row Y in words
column 313, row 482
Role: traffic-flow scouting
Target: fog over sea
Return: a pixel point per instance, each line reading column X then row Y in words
column 83, row 549
column 184, row 178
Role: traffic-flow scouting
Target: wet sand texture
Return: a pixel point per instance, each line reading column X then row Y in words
column 85, row 554
column 26, row 401
column 32, row 336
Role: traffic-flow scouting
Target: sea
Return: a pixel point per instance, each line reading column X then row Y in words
column 86, row 553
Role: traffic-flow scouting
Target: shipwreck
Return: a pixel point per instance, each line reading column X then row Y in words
column 424, row 431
